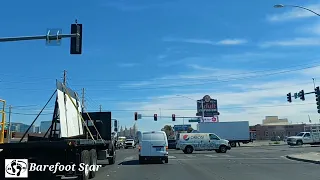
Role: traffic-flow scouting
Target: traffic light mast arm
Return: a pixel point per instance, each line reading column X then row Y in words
column 48, row 37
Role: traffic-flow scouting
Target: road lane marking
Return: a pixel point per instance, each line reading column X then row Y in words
column 172, row 157
column 209, row 155
column 190, row 156
column 226, row 155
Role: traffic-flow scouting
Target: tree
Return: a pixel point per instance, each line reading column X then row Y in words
column 190, row 129
column 168, row 130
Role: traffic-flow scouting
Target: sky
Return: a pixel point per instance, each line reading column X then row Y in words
column 161, row 56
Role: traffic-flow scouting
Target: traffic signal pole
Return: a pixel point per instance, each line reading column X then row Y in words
column 75, row 35
column 47, row 37
column 302, row 94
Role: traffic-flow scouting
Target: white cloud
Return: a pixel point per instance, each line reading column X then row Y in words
column 127, row 64
column 290, row 13
column 293, row 42
column 232, row 42
column 313, row 29
column 206, row 41
column 242, row 101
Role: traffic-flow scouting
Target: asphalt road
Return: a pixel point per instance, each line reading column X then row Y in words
column 263, row 163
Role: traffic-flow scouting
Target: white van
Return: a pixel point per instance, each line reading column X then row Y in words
column 189, row 142
column 153, row 146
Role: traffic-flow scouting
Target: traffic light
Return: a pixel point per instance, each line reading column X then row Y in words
column 155, row 117
column 115, row 126
column 289, row 97
column 317, row 92
column 301, row 95
column 135, row 116
column 5, row 133
column 13, row 134
column 173, row 117
column 76, row 42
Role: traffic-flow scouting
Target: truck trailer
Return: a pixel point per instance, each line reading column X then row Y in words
column 74, row 138
column 235, row 132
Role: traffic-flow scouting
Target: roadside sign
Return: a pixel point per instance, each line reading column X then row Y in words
column 194, row 120
column 210, row 119
column 183, row 127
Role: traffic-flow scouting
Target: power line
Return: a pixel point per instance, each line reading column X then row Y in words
column 309, row 65
column 231, row 107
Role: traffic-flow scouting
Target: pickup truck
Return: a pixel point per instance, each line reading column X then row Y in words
column 312, row 137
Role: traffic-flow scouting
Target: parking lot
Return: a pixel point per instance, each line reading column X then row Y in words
column 264, row 162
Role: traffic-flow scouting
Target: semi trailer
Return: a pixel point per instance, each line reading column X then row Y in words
column 74, row 138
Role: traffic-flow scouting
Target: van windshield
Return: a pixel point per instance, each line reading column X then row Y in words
column 153, row 136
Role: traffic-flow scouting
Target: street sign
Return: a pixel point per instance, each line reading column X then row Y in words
column 183, row 127
column 194, row 120
column 54, row 32
column 210, row 119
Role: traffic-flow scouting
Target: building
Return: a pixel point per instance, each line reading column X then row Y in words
column 20, row 127
column 274, row 120
column 44, row 126
column 37, row 129
column 266, row 132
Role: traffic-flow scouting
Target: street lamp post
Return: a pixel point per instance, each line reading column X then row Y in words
column 202, row 109
column 282, row 6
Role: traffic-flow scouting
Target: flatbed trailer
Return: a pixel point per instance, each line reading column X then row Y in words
column 75, row 151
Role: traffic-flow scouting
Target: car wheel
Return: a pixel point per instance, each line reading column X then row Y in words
column 223, row 149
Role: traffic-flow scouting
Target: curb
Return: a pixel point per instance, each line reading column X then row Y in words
column 302, row 160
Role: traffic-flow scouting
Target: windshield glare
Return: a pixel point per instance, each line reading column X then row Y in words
column 300, row 134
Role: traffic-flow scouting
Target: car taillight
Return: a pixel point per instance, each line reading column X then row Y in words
column 166, row 148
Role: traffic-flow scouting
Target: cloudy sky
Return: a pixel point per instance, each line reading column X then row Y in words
column 156, row 56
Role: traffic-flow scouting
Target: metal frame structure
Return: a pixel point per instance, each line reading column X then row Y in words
column 3, row 121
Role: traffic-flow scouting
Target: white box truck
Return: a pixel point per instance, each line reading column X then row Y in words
column 235, row 132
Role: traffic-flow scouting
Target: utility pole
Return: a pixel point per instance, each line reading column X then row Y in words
column 100, row 108
column 65, row 77
column 82, row 102
column 202, row 109
column 9, row 128
column 314, row 84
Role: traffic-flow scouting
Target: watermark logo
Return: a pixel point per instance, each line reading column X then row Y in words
column 16, row 168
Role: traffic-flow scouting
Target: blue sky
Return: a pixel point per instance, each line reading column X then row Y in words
column 139, row 55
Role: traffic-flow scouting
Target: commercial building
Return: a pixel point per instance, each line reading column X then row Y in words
column 44, row 126
column 272, row 126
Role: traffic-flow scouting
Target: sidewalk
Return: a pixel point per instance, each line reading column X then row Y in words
column 312, row 157
column 264, row 143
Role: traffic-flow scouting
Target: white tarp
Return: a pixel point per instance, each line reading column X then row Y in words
column 70, row 121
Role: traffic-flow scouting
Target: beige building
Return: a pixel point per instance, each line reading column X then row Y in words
column 272, row 126
column 274, row 120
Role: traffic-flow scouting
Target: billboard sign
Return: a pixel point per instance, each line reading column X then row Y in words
column 210, row 119
column 183, row 127
column 210, row 107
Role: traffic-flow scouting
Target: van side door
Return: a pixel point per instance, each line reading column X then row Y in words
column 213, row 142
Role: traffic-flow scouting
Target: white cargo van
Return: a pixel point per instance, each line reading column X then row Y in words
column 153, row 146
column 189, row 142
